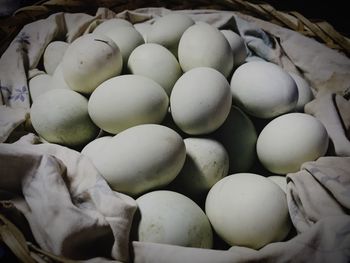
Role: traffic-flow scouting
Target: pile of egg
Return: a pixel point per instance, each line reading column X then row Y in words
column 168, row 113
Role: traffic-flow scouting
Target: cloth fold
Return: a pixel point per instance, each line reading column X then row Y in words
column 326, row 241
column 334, row 112
column 318, row 200
column 70, row 208
column 72, row 211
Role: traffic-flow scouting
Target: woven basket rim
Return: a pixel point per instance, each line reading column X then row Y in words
column 320, row 30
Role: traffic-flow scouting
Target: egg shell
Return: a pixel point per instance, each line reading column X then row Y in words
column 238, row 135
column 203, row 45
column 237, row 45
column 94, row 147
column 58, row 81
column 288, row 141
column 305, row 94
column 125, row 101
column 113, row 23
column 206, row 163
column 171, row 218
column 169, row 122
column 200, row 101
column 281, row 181
column 141, row 158
column 263, row 89
column 156, row 62
column 39, row 85
column 168, row 29
column 248, row 210
column 61, row 116
column 53, row 55
column 143, row 29
column 127, row 39
column 90, row 60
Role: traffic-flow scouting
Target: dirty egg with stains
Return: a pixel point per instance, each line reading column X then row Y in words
column 168, row 217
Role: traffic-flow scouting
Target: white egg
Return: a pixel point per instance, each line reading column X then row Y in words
column 264, row 89
column 143, row 29
column 200, row 101
column 168, row 29
column 288, row 141
column 94, row 147
column 90, row 60
column 127, row 39
column 203, row 45
column 113, row 23
column 252, row 58
column 39, row 85
column 305, row 94
column 53, row 55
column 125, row 101
column 58, row 81
column 237, row 45
column 280, row 181
column 141, row 158
column 156, row 62
column 238, row 136
column 61, row 116
column 171, row 218
column 248, row 210
column 206, row 163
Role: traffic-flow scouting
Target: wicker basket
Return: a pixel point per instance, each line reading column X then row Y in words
column 322, row 31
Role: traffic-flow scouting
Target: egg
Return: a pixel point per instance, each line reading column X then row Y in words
column 156, row 62
column 94, row 147
column 237, row 45
column 61, row 116
column 171, row 218
column 39, row 85
column 200, row 101
column 141, row 158
column 288, row 141
column 203, row 45
column 89, row 60
column 305, row 94
column 248, row 210
column 57, row 80
column 238, row 135
column 53, row 55
column 143, row 29
column 263, row 89
column 281, row 181
column 113, row 23
column 127, row 38
column 168, row 29
column 125, row 101
column 206, row 163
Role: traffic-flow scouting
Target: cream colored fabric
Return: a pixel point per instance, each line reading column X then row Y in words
column 326, row 241
column 70, row 208
column 10, row 119
column 320, row 190
column 334, row 112
column 72, row 211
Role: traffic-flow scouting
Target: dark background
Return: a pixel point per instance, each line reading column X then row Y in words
column 334, row 12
